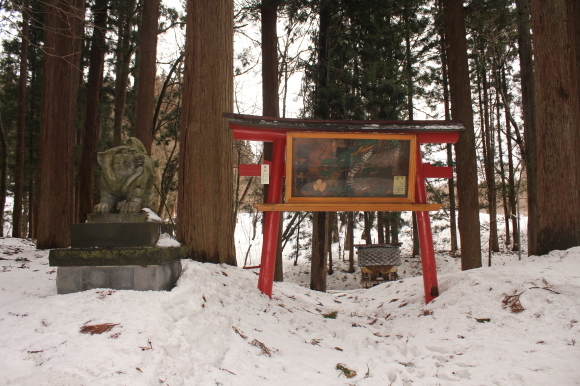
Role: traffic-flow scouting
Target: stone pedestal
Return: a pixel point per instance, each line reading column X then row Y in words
column 118, row 254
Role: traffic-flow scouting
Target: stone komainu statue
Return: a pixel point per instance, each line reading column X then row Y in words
column 127, row 178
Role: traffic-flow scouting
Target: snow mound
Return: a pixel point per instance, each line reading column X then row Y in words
column 216, row 328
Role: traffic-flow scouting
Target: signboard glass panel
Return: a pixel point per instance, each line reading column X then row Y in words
column 339, row 167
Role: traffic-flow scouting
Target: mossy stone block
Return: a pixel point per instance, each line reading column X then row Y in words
column 115, row 256
column 99, row 235
column 116, row 217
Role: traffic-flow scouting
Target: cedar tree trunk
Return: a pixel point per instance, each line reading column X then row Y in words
column 92, row 131
column 557, row 119
column 206, row 201
column 270, row 102
column 145, row 104
column 467, row 188
column 21, row 131
column 63, row 31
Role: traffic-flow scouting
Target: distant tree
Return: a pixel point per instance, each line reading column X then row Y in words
column 3, row 174
column 205, row 208
column 63, row 31
column 92, row 127
column 557, row 119
column 21, row 131
column 125, row 12
column 270, row 99
column 525, row 54
column 147, row 59
column 466, row 166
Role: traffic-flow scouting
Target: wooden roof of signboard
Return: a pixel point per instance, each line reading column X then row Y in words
column 427, row 131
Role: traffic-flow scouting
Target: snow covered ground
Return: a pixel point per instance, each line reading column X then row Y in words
column 514, row 323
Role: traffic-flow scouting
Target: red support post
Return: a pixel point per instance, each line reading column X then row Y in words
column 425, row 235
column 272, row 219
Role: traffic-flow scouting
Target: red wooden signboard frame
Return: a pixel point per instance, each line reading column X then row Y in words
column 275, row 130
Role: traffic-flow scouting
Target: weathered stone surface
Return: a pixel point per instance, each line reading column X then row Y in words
column 138, row 278
column 115, row 256
column 127, row 179
column 102, row 235
column 116, row 217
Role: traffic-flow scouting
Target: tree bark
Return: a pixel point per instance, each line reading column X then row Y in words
column 92, row 130
column 467, row 188
column 206, row 198
column 318, row 262
column 328, row 242
column 511, row 193
column 21, row 131
column 381, row 227
column 3, row 174
column 557, row 118
column 145, row 104
column 451, row 187
column 270, row 103
column 123, row 58
column 528, row 108
column 350, row 241
column 63, row 31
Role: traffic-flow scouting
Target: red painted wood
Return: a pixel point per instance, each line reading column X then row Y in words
column 251, row 133
column 437, row 171
column 263, row 134
column 272, row 219
column 252, row 170
column 277, row 171
column 425, row 236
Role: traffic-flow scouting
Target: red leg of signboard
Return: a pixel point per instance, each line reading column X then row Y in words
column 272, row 219
column 425, row 235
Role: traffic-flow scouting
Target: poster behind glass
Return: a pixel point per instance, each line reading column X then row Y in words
column 339, row 166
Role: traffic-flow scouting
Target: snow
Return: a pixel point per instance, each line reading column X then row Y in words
column 216, row 328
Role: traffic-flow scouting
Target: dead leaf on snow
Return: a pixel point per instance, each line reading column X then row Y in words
column 98, row 328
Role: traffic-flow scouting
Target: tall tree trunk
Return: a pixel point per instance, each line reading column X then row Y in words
column 321, row 109
column 368, row 226
column 350, row 241
column 3, row 174
column 451, row 186
column 145, row 105
column 206, row 200
column 469, row 230
column 410, row 92
column 511, row 190
column 318, row 267
column 318, row 262
column 33, row 152
column 64, row 22
column 395, row 218
column 381, row 228
column 123, row 58
column 328, row 242
column 494, row 242
column 21, row 131
column 504, row 188
column 528, row 108
column 92, row 130
column 488, row 142
column 557, row 118
column 270, row 103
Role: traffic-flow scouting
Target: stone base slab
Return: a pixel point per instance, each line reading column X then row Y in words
column 116, row 217
column 115, row 256
column 137, row 234
column 139, row 278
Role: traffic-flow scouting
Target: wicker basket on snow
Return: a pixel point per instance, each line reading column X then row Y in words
column 378, row 254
